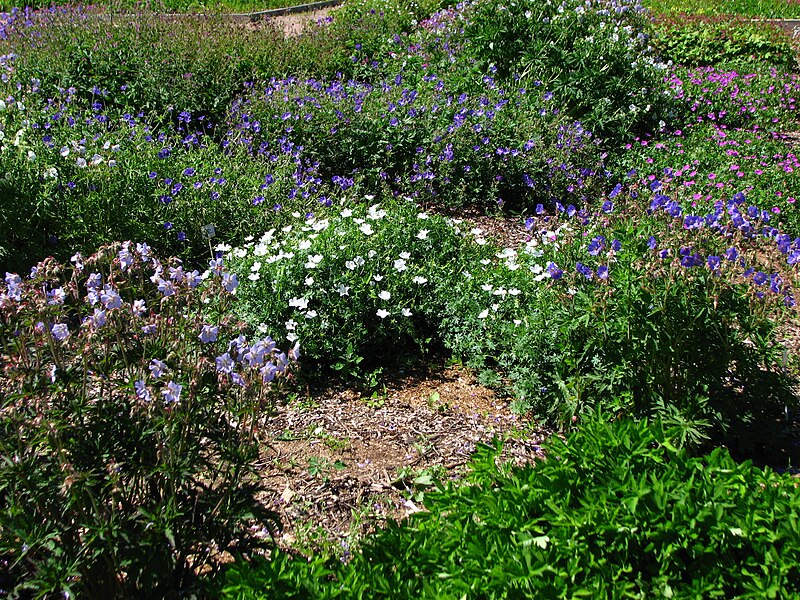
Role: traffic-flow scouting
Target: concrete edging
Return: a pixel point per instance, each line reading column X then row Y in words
column 278, row 12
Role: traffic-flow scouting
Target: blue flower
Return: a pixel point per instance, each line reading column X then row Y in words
column 209, row 334
column 172, row 392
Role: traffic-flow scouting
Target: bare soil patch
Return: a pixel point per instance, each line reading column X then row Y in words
column 340, row 464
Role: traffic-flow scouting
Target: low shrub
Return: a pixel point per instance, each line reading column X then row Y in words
column 671, row 314
column 130, row 406
column 596, row 57
column 616, row 509
column 360, row 288
column 716, row 41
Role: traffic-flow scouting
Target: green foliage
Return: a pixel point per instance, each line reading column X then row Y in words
column 735, row 43
column 615, row 510
column 769, row 9
column 595, row 57
column 127, row 447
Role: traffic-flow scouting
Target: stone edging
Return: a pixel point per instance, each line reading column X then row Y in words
column 277, row 12
column 791, row 26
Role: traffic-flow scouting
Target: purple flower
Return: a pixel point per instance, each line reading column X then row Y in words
column 713, row 262
column 139, row 308
column 554, row 272
column 602, row 272
column 60, row 331
column 166, row 287
column 110, row 298
column 760, row 278
column 608, row 207
column 225, row 363
column 209, row 334
column 141, row 390
column 584, row 270
column 613, row 194
column 157, row 368
column 230, row 282
column 651, row 243
column 149, row 329
column 172, row 392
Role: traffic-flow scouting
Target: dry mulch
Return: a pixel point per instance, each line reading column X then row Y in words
column 339, row 464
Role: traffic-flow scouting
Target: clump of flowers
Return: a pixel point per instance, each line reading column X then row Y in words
column 131, row 403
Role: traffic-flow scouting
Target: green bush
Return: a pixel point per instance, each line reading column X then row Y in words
column 594, row 56
column 130, row 405
column 640, row 314
column 735, row 43
column 615, row 510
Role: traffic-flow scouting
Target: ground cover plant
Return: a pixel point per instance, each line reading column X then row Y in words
column 333, row 180
column 616, row 509
column 769, row 9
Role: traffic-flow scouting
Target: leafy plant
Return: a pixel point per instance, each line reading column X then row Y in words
column 129, row 419
column 615, row 509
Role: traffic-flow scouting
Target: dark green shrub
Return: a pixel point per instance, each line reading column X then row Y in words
column 615, row 510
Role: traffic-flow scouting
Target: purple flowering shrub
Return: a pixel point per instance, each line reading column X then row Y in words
column 661, row 313
column 131, row 404
column 417, row 134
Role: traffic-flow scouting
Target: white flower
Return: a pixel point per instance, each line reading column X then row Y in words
column 240, row 252
column 517, row 322
column 343, row 290
column 81, row 162
column 309, row 281
column 419, row 280
column 299, row 303
column 405, row 312
column 423, row 234
column 290, row 325
column 484, row 314
column 405, row 255
column 377, row 277
column 311, row 314
column 304, row 245
column 487, row 287
column 422, row 215
column 375, row 213
column 366, row 229
column 313, row 261
column 500, row 292
column 400, row 265
column 256, row 267
column 514, row 292
column 486, row 261
column 254, row 277
column 382, row 313
column 291, row 337
column 346, row 213
column 384, row 295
